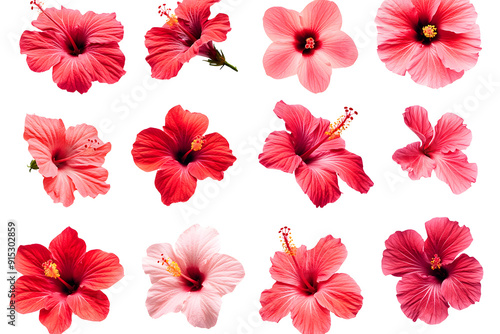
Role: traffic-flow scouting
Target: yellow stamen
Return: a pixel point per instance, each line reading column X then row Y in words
column 287, row 241
column 171, row 266
column 341, row 124
column 171, row 18
column 436, row 262
column 197, row 143
column 50, row 269
column 430, row 31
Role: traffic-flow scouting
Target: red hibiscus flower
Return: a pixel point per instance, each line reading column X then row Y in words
column 182, row 154
column 308, row 44
column 308, row 287
column 314, row 150
column 440, row 150
column 433, row 277
column 436, row 41
column 68, row 159
column 185, row 35
column 80, row 48
column 63, row 280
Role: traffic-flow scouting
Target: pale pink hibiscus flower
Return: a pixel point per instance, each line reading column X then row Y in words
column 314, row 151
column 433, row 277
column 69, row 159
column 192, row 278
column 439, row 150
column 186, row 34
column 80, row 48
column 64, row 279
column 308, row 44
column 435, row 41
column 309, row 287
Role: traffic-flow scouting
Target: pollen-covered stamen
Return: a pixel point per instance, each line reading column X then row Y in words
column 50, row 270
column 309, row 43
column 196, row 145
column 429, row 31
column 171, row 18
column 90, row 146
column 436, row 262
column 171, row 266
column 287, row 241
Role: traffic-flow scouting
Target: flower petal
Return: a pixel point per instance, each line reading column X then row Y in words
column 281, row 24
column 196, row 245
column 459, row 51
column 174, row 183
column 33, row 292
column 215, row 29
column 55, row 19
column 446, row 239
column 183, row 126
column 341, row 295
column 277, row 302
column 98, row 270
column 57, row 319
column 325, row 258
column 43, row 49
column 89, row 304
column 152, row 264
column 283, row 267
column 281, row 60
column 321, row 16
column 29, row 259
column 194, row 11
column 462, row 287
column 417, row 119
column 213, row 159
column 279, row 152
column 104, row 62
column 222, row 273
column 88, row 180
column 456, row 15
column 314, row 72
column 339, row 49
column 397, row 50
column 427, row 69
column 395, row 15
column 454, row 169
column 319, row 181
column 426, row 9
column 165, row 296
column 71, row 74
column 404, row 254
column 451, row 134
column 77, row 137
column 60, row 188
column 101, row 28
column 152, row 149
column 202, row 308
column 421, row 298
column 412, row 159
column 309, row 317
column 67, row 250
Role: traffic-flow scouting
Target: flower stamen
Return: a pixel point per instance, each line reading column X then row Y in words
column 196, row 145
column 287, row 241
column 436, row 262
column 50, row 270
column 171, row 18
column 171, row 266
column 86, row 149
column 430, row 31
column 309, row 43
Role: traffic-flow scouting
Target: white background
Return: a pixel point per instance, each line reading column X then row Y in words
column 250, row 205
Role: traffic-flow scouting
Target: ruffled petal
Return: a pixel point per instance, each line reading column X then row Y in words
column 314, row 72
column 88, row 180
column 222, row 273
column 404, row 254
column 197, row 245
column 395, row 16
column 88, row 304
column 281, row 60
column 58, row 318
column 152, row 264
column 33, row 293
column 98, row 270
column 152, row 149
column 454, row 169
column 104, row 62
column 43, row 49
column 71, row 74
column 202, row 308
column 459, row 51
column 426, row 9
column 68, row 19
column 338, row 49
column 278, row 301
column 101, row 28
column 462, row 287
column 213, row 159
column 417, row 119
column 446, row 239
column 321, row 16
column 319, row 181
column 216, row 29
column 325, row 258
column 174, row 183
column 194, row 11
column 183, row 126
column 283, row 267
column 397, row 50
column 279, row 152
column 67, row 250
column 29, row 259
column 165, row 296
column 340, row 295
column 281, row 24
column 412, row 159
column 309, row 317
column 421, row 298
column 451, row 134
column 60, row 188
column 458, row 16
column 76, row 139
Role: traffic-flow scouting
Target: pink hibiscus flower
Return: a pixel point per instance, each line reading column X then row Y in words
column 80, row 48
column 192, row 278
column 308, row 287
column 63, row 280
column 69, row 159
column 186, row 34
column 436, row 41
column 308, row 44
column 314, row 150
column 433, row 277
column 182, row 154
column 439, row 150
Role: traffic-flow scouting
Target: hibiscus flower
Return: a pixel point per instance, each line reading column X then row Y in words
column 436, row 41
column 186, row 34
column 314, row 150
column 64, row 279
column 182, row 154
column 433, row 277
column 308, row 44
column 80, row 48
column 439, row 150
column 192, row 278
column 308, row 287
column 68, row 159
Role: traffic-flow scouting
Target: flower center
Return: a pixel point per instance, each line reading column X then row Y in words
column 429, row 31
column 436, row 262
column 309, row 43
column 196, row 145
column 50, row 270
column 173, row 268
column 86, row 149
column 171, row 18
column 437, row 269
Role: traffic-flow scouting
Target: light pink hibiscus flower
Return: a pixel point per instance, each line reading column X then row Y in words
column 69, row 159
column 192, row 278
column 439, row 150
column 186, row 34
column 80, row 48
column 308, row 287
column 433, row 277
column 308, row 44
column 64, row 279
column 314, row 151
column 436, row 41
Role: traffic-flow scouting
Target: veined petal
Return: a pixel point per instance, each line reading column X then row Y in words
column 60, row 188
column 462, row 287
column 71, row 74
column 458, row 16
column 412, row 159
column 397, row 50
column 98, row 270
column 283, row 267
column 89, row 304
column 194, row 11
column 309, row 317
column 281, row 24
column 222, row 273
column 314, row 72
column 215, row 29
column 33, row 292
column 454, row 169
column 88, row 180
column 68, row 19
column 404, row 254
column 183, row 126
column 339, row 49
column 174, row 183
column 450, row 134
column 446, row 239
column 67, row 250
column 104, row 62
column 152, row 264
column 341, row 295
column 76, row 139
column 277, row 302
column 321, row 16
column 325, row 258
column 459, row 51
column 152, row 149
column 396, row 15
column 165, row 296
column 202, row 308
column 279, row 152
column 58, row 318
column 417, row 119
column 101, row 28
column 426, row 9
column 43, row 49
column 319, row 181
column 281, row 60
column 29, row 259
column 197, row 244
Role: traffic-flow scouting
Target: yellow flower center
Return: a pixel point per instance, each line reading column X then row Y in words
column 50, row 269
column 309, row 43
column 430, row 31
column 171, row 266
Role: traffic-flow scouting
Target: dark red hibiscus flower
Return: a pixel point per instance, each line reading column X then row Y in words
column 314, row 151
column 80, row 48
column 182, row 154
column 186, row 34
column 63, row 280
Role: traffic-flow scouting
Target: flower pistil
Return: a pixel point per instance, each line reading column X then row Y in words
column 50, row 270
column 430, row 31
